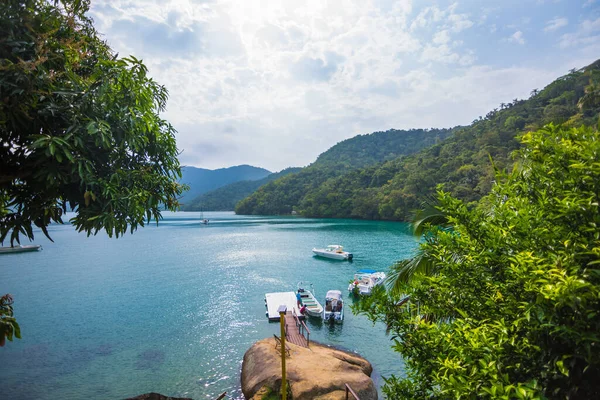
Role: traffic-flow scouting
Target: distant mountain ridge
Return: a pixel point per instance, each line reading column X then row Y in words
column 393, row 188
column 202, row 180
column 226, row 198
column 283, row 194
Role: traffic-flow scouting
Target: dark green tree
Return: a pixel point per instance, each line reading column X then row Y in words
column 79, row 127
column 511, row 308
column 591, row 99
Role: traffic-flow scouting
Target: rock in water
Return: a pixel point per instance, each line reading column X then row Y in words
column 317, row 373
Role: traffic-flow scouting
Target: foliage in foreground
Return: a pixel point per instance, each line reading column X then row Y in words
column 78, row 127
column 8, row 324
column 512, row 308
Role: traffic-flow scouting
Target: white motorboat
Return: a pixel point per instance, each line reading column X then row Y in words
column 365, row 280
column 307, row 296
column 334, row 306
column 20, row 248
column 334, row 251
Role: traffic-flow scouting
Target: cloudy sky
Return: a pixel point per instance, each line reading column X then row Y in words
column 275, row 83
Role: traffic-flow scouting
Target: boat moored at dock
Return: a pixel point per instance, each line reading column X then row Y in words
column 334, row 306
column 365, row 280
column 308, row 299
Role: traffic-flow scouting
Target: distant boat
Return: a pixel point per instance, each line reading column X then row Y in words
column 365, row 280
column 313, row 307
column 334, row 306
column 20, row 248
column 202, row 219
column 334, row 251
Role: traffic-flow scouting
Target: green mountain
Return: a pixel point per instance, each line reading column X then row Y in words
column 225, row 198
column 202, row 180
column 392, row 189
column 282, row 195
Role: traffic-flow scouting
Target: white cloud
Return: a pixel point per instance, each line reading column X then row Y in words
column 275, row 83
column 587, row 35
column 441, row 37
column 447, row 17
column 589, row 3
column 517, row 37
column 556, row 23
column 444, row 23
column 444, row 50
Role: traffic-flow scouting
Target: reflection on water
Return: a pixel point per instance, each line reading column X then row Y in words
column 173, row 308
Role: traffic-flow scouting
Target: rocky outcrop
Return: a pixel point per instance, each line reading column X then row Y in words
column 316, row 373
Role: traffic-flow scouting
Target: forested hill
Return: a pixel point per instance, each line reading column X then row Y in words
column 202, row 180
column 225, row 198
column 374, row 148
column 393, row 189
column 283, row 194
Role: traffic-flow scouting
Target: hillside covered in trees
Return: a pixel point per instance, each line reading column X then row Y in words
column 464, row 163
column 226, row 198
column 283, row 195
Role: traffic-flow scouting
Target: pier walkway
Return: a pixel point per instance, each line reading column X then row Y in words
column 296, row 330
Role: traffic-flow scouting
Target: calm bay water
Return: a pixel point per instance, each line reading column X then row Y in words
column 174, row 307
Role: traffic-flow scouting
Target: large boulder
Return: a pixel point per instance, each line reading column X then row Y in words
column 315, row 373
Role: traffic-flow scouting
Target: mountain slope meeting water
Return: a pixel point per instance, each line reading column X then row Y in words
column 394, row 188
column 226, row 198
column 202, row 180
column 283, row 195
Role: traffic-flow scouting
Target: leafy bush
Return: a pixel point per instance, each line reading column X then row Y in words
column 512, row 307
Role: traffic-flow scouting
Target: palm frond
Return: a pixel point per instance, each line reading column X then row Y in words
column 428, row 216
column 403, row 271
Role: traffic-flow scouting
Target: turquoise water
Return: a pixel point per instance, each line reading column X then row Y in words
column 173, row 308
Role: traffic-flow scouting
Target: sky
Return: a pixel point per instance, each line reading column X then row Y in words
column 275, row 83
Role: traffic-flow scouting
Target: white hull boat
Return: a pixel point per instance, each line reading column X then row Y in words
column 20, row 249
column 334, row 306
column 313, row 307
column 333, row 251
column 365, row 280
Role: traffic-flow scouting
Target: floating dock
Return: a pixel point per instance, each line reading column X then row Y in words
column 274, row 300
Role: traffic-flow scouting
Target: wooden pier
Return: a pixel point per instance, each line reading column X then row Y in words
column 296, row 330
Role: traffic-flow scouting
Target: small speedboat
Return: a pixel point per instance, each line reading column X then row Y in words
column 313, row 307
column 334, row 251
column 365, row 280
column 20, row 248
column 334, row 306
